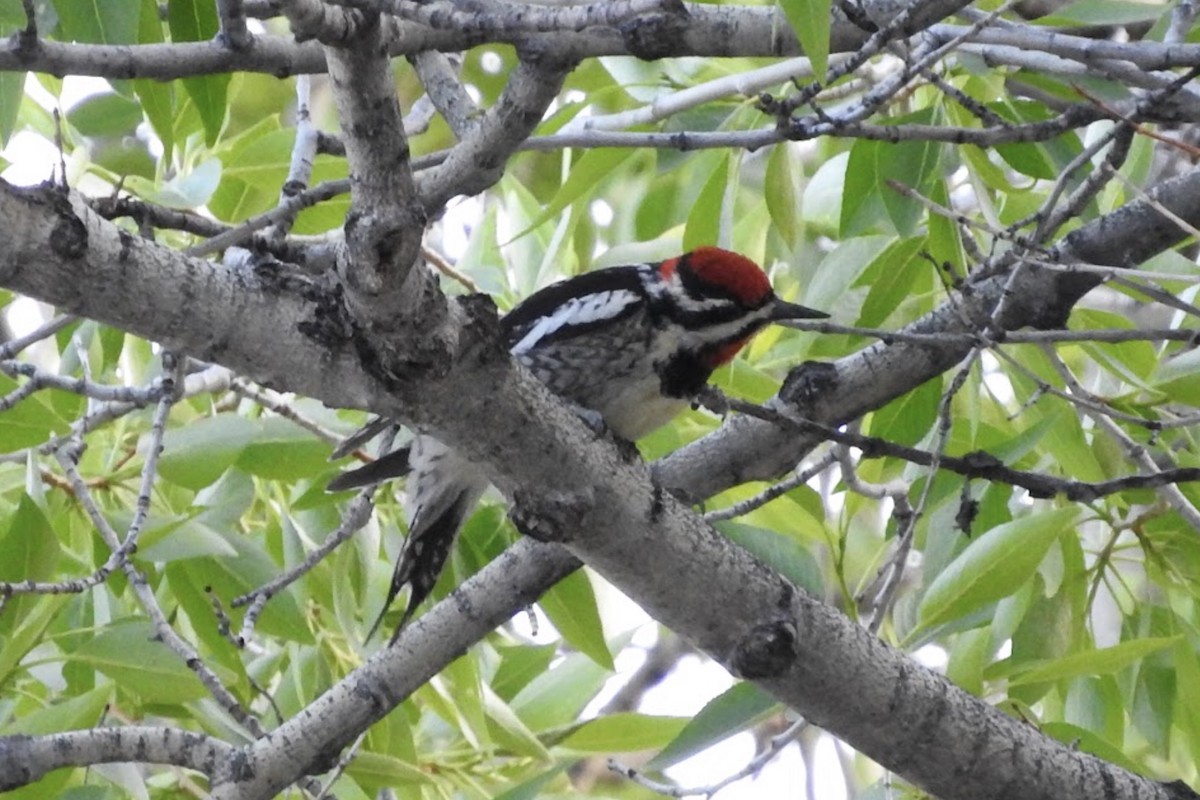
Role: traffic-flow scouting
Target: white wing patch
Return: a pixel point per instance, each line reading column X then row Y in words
column 578, row 311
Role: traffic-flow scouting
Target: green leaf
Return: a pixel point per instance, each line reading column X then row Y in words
column 912, row 164
column 257, row 164
column 1028, row 158
column 193, row 601
column 784, row 553
column 28, row 631
column 108, row 22
column 1093, row 662
column 177, row 540
column 1154, row 705
column 1179, row 377
column 520, row 664
column 509, row 732
column 72, row 713
column 968, row 656
column 384, row 769
column 1082, row 739
column 156, row 97
column 731, row 712
column 535, row 787
column 625, row 732
column 863, row 210
column 31, row 552
column 558, row 696
column 893, row 281
column 945, row 235
column 993, row 566
column 106, row 114
column 283, row 451
column 571, row 606
column 28, row 423
column 12, row 92
column 797, row 515
column 30, row 546
column 841, row 269
column 461, row 686
column 810, row 19
column 1133, row 362
column 1044, row 630
column 869, row 201
column 252, row 567
column 129, row 653
column 783, row 202
column 326, row 216
column 196, row 21
column 909, row 417
column 824, row 194
column 195, row 455
column 704, row 220
column 587, row 175
column 11, row 16
column 188, row 189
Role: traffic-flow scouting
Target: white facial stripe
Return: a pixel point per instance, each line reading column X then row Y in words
column 727, row 330
column 578, row 311
column 684, row 301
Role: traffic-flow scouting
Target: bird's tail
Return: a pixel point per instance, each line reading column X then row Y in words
column 443, row 488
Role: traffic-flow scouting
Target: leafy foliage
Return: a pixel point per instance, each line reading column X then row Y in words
column 1078, row 617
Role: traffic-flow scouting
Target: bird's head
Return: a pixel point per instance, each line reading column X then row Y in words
column 724, row 278
column 727, row 297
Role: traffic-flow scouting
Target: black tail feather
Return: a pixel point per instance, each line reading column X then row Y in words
column 360, row 437
column 422, row 559
column 392, row 465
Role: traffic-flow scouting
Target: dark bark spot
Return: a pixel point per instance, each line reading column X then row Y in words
column 807, row 382
column 69, row 239
column 330, row 323
column 657, row 504
column 653, row 36
column 127, row 241
column 240, row 767
column 766, row 652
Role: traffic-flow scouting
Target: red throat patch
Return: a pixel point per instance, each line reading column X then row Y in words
column 725, row 353
column 733, row 272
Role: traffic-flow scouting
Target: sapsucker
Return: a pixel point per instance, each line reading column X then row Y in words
column 634, row 344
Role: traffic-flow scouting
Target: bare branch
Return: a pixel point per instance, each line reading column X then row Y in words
column 445, row 90
column 149, row 603
column 478, row 160
column 300, row 166
column 25, row 759
column 354, row 517
column 13, row 346
column 774, row 747
column 1147, row 55
column 978, row 464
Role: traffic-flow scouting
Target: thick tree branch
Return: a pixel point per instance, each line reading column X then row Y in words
column 707, row 30
column 386, row 222
column 231, row 316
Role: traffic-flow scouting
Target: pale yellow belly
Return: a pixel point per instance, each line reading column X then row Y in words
column 634, row 414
